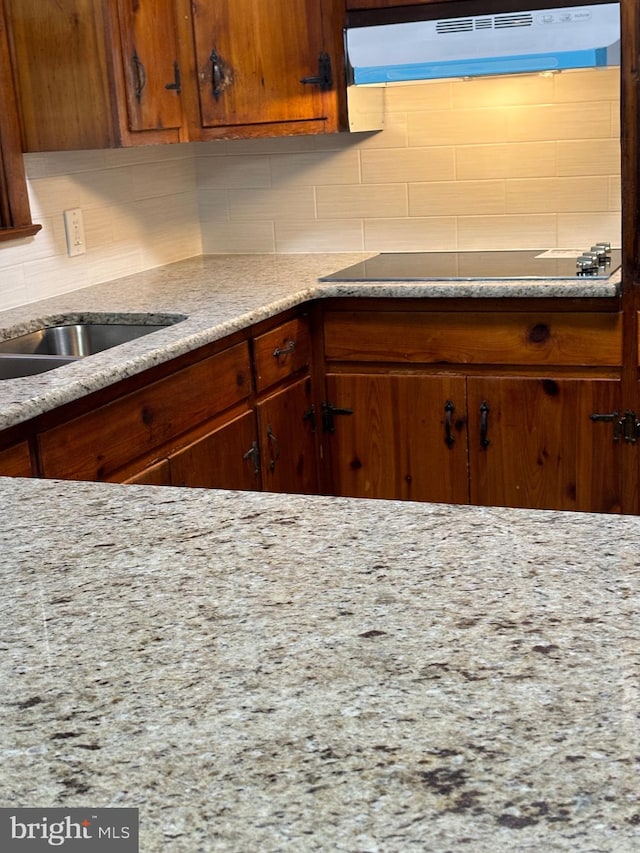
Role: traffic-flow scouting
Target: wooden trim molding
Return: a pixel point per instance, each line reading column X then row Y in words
column 15, row 214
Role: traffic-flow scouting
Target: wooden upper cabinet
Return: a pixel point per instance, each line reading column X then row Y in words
column 250, row 61
column 15, row 216
column 115, row 73
column 150, row 58
column 77, row 86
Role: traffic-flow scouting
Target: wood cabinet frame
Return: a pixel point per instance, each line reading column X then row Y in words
column 15, row 215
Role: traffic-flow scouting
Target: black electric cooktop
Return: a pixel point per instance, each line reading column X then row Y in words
column 527, row 265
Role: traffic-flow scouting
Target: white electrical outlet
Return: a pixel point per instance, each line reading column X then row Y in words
column 74, row 229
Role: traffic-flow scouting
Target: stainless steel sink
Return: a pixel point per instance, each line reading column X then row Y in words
column 53, row 346
column 79, row 339
column 14, row 365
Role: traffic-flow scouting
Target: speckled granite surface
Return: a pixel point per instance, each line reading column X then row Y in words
column 288, row 673
column 219, row 294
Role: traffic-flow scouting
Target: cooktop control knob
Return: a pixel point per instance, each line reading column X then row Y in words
column 603, row 251
column 587, row 264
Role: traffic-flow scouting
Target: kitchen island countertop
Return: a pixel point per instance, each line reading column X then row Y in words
column 218, row 295
column 288, row 673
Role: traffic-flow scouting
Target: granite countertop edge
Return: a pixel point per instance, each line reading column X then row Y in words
column 218, row 295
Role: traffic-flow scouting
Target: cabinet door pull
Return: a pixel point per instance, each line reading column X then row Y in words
column 449, row 409
column 139, row 76
column 221, row 76
column 253, row 453
column 484, row 424
column 274, row 448
column 176, row 86
column 278, row 351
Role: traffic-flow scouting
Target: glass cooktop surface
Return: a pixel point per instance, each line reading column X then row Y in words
column 472, row 266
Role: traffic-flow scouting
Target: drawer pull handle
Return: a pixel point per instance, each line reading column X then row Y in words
column 139, row 76
column 278, row 351
column 484, row 424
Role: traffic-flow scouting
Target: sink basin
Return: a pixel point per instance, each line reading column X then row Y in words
column 78, row 340
column 53, row 346
column 14, row 365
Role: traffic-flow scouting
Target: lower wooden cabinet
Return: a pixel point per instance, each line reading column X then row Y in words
column 157, row 474
column 225, row 458
column 286, row 425
column 15, row 461
column 406, row 438
column 532, row 443
column 503, row 441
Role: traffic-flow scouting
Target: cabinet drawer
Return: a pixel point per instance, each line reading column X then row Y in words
column 95, row 445
column 15, row 461
column 282, row 351
column 466, row 338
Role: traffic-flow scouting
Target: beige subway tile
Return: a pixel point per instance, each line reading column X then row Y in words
column 360, row 201
column 407, row 164
column 252, row 238
column 589, row 157
column 213, row 205
column 557, row 195
column 68, row 162
column 615, row 194
column 455, row 198
column 557, row 121
column 507, row 232
column 515, row 159
column 457, row 127
column 315, row 236
column 109, row 262
column 55, row 275
column 315, row 168
column 392, row 135
column 241, row 171
column 587, row 84
column 502, row 91
column 419, row 97
column 98, row 226
column 288, row 203
column 583, row 229
column 166, row 177
column 13, row 289
column 429, row 233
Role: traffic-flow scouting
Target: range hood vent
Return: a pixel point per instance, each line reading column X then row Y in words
column 507, row 43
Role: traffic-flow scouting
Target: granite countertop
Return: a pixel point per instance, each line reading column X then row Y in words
column 288, row 673
column 218, row 294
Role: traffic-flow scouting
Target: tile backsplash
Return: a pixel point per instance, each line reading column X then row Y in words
column 523, row 162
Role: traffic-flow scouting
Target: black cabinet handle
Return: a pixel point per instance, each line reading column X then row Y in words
column 139, row 76
column 253, row 454
column 274, row 448
column 216, row 74
column 484, row 424
column 449, row 409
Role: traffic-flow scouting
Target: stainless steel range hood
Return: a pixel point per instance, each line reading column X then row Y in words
column 551, row 39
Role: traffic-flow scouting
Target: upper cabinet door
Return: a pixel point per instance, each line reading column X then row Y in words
column 150, row 58
column 251, row 58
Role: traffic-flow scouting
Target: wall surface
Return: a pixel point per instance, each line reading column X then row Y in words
column 140, row 211
column 505, row 163
column 509, row 163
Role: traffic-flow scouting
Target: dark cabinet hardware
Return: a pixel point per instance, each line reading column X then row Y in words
column 324, row 78
column 449, row 409
column 253, row 454
column 626, row 426
column 139, row 76
column 484, row 424
column 328, row 414
column 216, row 74
column 290, row 347
column 310, row 415
column 274, row 448
column 176, row 85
